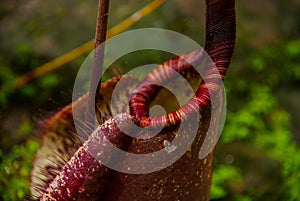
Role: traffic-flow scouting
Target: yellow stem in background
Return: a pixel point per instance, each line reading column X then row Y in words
column 86, row 47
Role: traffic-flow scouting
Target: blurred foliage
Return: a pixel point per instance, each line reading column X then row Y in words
column 259, row 119
column 223, row 175
column 15, row 170
column 258, row 156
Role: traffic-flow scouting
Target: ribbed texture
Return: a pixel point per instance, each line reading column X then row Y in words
column 220, row 41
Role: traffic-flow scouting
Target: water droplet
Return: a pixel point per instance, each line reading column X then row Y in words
column 169, row 147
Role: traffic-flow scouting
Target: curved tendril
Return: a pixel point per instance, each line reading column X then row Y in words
column 220, row 41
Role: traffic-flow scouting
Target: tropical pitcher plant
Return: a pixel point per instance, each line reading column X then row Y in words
column 70, row 167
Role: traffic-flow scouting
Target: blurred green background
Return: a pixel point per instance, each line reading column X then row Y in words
column 258, row 156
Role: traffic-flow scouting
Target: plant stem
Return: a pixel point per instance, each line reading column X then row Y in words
column 101, row 26
column 96, row 74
